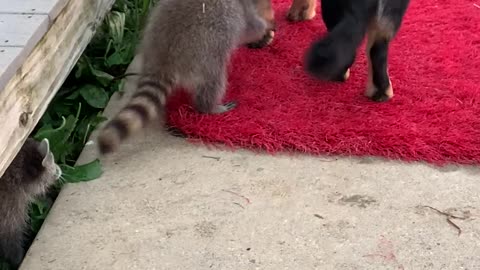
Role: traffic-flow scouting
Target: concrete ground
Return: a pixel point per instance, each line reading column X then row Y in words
column 163, row 203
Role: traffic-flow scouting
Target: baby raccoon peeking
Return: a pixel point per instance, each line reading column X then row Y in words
column 186, row 44
column 28, row 176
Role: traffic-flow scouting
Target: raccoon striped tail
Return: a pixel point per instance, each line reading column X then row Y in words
column 144, row 106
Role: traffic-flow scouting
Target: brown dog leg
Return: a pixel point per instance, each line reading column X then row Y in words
column 379, row 87
column 302, row 10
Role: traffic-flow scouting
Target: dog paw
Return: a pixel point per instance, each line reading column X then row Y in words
column 302, row 10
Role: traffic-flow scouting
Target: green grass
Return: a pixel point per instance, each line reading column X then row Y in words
column 77, row 108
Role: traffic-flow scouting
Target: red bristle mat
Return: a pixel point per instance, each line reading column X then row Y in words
column 434, row 65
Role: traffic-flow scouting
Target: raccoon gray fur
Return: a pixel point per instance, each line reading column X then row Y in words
column 186, row 44
column 28, row 176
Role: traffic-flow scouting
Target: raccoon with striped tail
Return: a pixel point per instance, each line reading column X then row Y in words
column 186, row 44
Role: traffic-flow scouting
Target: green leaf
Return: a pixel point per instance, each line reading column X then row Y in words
column 83, row 67
column 117, row 58
column 38, row 212
column 73, row 96
column 103, row 77
column 116, row 26
column 82, row 173
column 95, row 96
column 107, row 50
column 58, row 137
column 63, row 108
column 86, row 126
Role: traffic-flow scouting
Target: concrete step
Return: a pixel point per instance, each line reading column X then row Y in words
column 163, row 203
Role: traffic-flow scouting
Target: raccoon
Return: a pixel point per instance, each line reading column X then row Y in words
column 347, row 22
column 28, row 176
column 186, row 44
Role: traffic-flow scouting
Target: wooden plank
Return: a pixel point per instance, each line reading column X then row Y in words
column 7, row 56
column 10, row 59
column 46, row 7
column 28, row 94
column 19, row 30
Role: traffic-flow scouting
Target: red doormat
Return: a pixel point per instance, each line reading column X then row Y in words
column 434, row 115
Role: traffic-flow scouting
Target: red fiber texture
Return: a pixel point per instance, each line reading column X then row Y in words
column 434, row 65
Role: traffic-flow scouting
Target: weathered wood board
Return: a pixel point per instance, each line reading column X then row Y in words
column 22, row 24
column 19, row 33
column 10, row 59
column 28, row 93
column 43, row 7
column 20, row 30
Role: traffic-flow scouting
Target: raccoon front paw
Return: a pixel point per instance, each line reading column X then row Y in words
column 229, row 106
column 378, row 95
column 265, row 41
column 223, row 108
column 302, row 10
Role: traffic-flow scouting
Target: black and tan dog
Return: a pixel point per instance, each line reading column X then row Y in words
column 347, row 22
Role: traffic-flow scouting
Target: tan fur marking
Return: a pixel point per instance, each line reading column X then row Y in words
column 302, row 10
column 381, row 27
column 265, row 10
column 346, row 75
column 374, row 34
column 384, row 27
column 271, row 35
column 371, row 90
column 389, row 91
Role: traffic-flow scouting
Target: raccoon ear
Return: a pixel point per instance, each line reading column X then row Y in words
column 48, row 160
column 44, row 147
